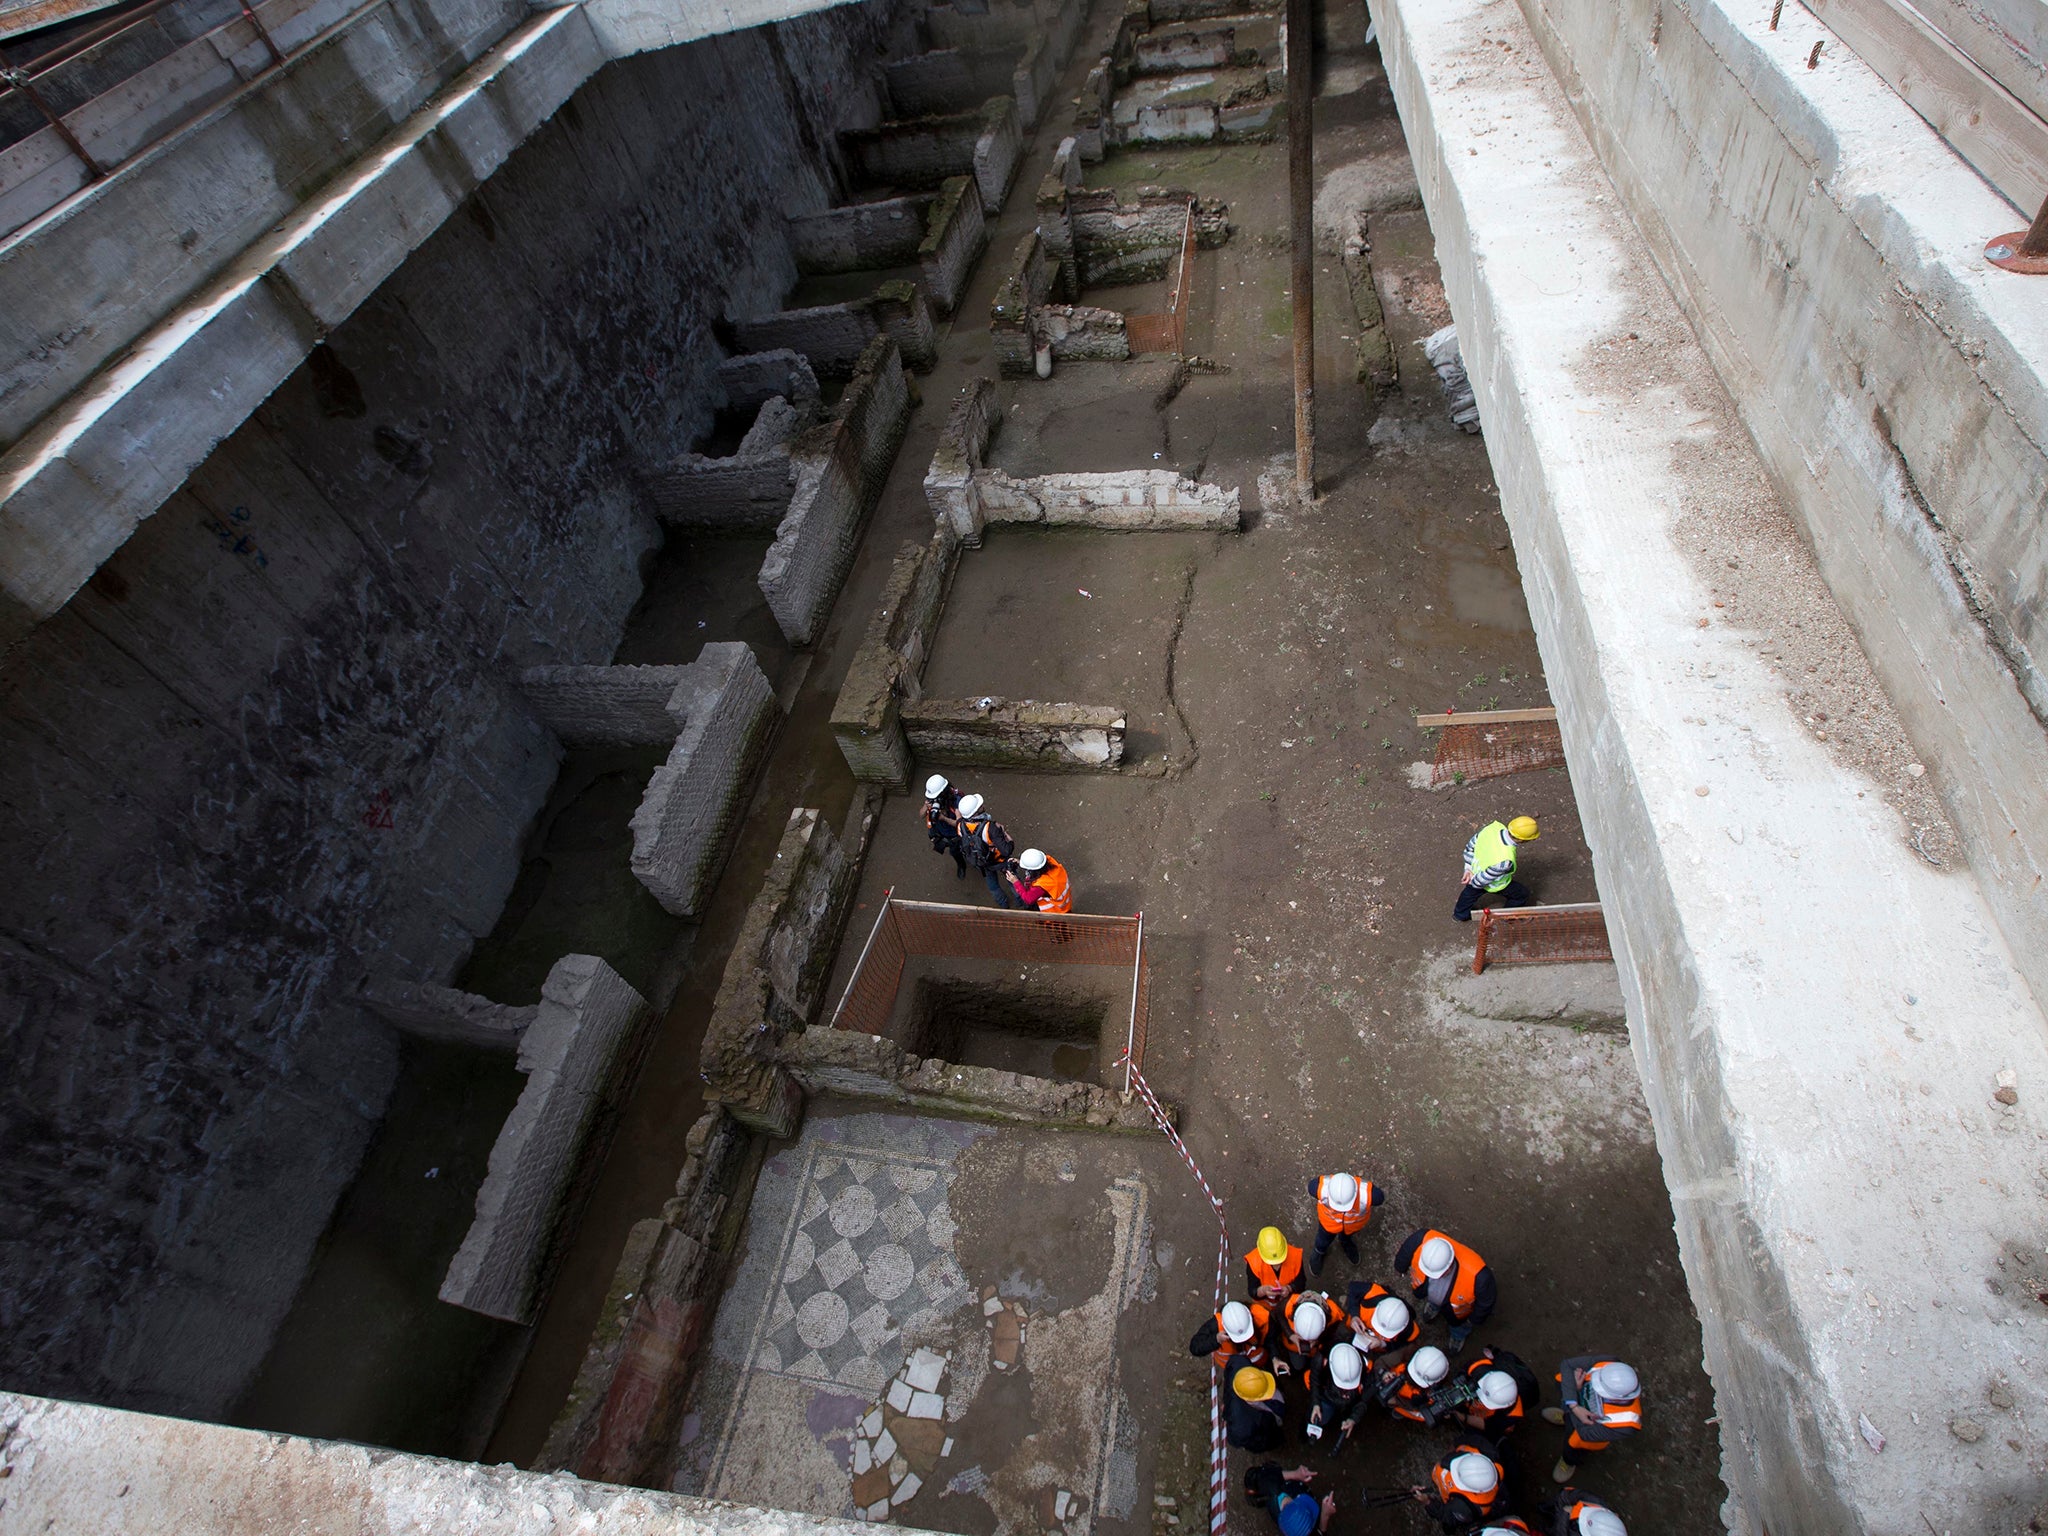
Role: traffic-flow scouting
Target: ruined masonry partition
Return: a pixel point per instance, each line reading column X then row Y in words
column 289, row 699
column 691, row 812
column 1810, row 1055
column 578, row 1056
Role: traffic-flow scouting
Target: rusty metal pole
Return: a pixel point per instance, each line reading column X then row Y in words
column 2023, row 250
column 1301, row 196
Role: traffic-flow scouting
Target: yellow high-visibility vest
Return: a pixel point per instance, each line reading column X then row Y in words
column 1493, row 846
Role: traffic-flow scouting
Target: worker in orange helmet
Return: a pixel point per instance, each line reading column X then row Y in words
column 1273, row 1268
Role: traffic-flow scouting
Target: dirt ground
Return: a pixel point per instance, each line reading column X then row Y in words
column 1306, row 1011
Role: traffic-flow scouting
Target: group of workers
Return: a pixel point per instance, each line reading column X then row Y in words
column 961, row 826
column 1365, row 1352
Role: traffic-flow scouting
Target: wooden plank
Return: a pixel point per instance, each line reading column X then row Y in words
column 1486, row 717
column 2007, row 38
column 1981, row 120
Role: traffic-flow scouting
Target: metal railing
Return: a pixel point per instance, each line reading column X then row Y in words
column 939, row 930
column 1540, row 935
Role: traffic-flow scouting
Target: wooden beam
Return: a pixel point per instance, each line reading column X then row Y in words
column 1486, row 717
column 1981, row 120
column 2007, row 38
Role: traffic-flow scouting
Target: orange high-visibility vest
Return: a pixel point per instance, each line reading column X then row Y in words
column 1057, row 885
column 1621, row 1419
column 1448, row 1490
column 1342, row 1222
column 1253, row 1349
column 1333, row 1317
column 1288, row 1272
column 1467, row 1265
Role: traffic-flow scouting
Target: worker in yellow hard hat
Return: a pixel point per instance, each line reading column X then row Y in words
column 1273, row 1268
column 1254, row 1414
column 1490, row 866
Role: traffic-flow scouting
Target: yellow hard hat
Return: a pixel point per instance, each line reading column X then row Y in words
column 1523, row 829
column 1253, row 1384
column 1272, row 1244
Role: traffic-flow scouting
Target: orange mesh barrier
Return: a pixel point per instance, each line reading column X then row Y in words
column 1169, row 332
column 938, row 930
column 1534, row 935
column 1493, row 744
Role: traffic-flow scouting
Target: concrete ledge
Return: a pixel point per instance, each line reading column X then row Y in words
column 618, row 1423
column 857, row 1066
column 840, row 468
column 1895, row 382
column 1014, row 733
column 691, row 812
column 79, row 1470
column 448, row 1016
column 577, row 1055
column 611, row 706
column 775, row 978
column 1821, row 1039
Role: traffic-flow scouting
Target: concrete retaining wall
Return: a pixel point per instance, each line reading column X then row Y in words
column 578, row 1055
column 956, row 233
column 691, row 812
column 851, row 1065
column 840, row 469
column 860, row 236
column 611, row 706
column 1896, row 384
column 1014, row 733
column 80, row 1470
column 775, row 978
column 1821, row 1038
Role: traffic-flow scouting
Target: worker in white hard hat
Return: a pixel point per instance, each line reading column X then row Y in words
column 1450, row 1281
column 1309, row 1324
column 1344, row 1204
column 1415, row 1392
column 1603, row 1406
column 1337, row 1398
column 1382, row 1324
column 1491, row 860
column 1241, row 1331
column 987, row 847
column 1468, row 1487
column 942, row 821
column 1576, row 1513
column 1505, row 1394
column 1042, row 883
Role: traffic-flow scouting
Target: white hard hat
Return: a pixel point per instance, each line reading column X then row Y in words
column 1497, row 1390
column 1390, row 1317
column 1342, row 1189
column 1615, row 1382
column 1598, row 1521
column 1436, row 1256
column 970, row 805
column 1031, row 859
column 1237, row 1322
column 1309, row 1320
column 1428, row 1366
column 1474, row 1473
column 935, row 786
column 1347, row 1366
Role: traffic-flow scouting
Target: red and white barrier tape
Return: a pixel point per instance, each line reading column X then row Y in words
column 1219, row 1473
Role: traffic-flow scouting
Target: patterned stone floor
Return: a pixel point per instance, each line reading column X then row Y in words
column 853, row 1263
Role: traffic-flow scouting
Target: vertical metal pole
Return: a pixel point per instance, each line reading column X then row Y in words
column 1301, row 196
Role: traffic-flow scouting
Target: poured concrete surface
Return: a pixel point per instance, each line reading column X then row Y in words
column 1823, row 1016
column 876, row 1242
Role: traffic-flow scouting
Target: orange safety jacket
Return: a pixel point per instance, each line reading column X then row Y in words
column 1342, row 1222
column 1057, row 885
column 1333, row 1319
column 1465, row 1273
column 1484, row 1503
column 1288, row 1274
column 1253, row 1351
column 1618, row 1421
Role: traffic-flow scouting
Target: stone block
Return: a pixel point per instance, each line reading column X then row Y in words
column 955, row 234
column 447, row 1015
column 576, row 1054
column 867, row 717
column 860, row 236
column 1175, row 52
column 963, row 443
column 754, row 378
column 998, row 149
column 1021, row 733
column 606, row 706
column 693, row 805
column 1134, row 499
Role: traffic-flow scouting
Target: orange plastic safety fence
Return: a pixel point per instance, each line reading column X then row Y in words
column 1483, row 750
column 1534, row 935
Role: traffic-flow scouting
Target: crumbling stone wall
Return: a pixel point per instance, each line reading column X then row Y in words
column 447, row 1014
column 956, row 233
column 860, row 236
column 867, row 717
column 840, row 469
column 610, row 706
column 691, row 812
column 833, row 336
column 949, row 80
column 922, row 152
column 1014, row 733
column 289, row 702
column 579, row 1054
